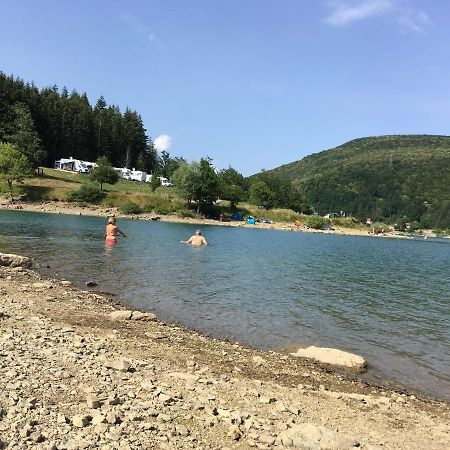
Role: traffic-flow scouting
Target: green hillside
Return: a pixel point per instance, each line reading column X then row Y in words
column 386, row 177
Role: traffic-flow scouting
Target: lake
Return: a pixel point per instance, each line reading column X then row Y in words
column 385, row 299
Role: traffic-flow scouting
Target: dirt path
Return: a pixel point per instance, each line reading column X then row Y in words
column 76, row 373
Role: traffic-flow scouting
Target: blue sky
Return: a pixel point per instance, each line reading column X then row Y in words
column 251, row 83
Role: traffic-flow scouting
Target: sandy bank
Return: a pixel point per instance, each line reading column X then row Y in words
column 75, row 376
column 69, row 208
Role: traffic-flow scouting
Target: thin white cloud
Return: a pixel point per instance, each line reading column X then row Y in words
column 163, row 142
column 142, row 30
column 414, row 21
column 344, row 13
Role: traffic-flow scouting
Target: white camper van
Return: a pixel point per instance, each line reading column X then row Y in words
column 73, row 165
column 138, row 175
column 123, row 172
column 165, row 182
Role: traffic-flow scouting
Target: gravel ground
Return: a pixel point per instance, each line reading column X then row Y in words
column 80, row 371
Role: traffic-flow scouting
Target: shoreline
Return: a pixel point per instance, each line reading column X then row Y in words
column 101, row 211
column 189, row 390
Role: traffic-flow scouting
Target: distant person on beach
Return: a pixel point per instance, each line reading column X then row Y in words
column 112, row 230
column 197, row 239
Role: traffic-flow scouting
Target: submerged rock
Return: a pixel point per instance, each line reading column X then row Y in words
column 333, row 356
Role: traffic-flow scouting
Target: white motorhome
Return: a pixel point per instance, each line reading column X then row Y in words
column 165, row 182
column 73, row 165
column 123, row 172
column 138, row 175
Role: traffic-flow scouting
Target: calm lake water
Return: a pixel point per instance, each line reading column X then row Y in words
column 385, row 299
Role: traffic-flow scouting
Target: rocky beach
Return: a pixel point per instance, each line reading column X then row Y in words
column 79, row 370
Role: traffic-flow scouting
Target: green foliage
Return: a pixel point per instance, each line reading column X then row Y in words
column 315, row 221
column 130, row 207
column 162, row 210
column 168, row 165
column 197, row 182
column 155, row 182
column 185, row 213
column 104, row 172
column 383, row 177
column 20, row 131
column 347, row 222
column 87, row 193
column 232, row 186
column 260, row 193
column 379, row 228
column 66, row 122
column 14, row 165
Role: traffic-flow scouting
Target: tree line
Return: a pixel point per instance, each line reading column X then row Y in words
column 64, row 124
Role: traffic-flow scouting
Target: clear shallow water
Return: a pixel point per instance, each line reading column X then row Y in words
column 385, row 299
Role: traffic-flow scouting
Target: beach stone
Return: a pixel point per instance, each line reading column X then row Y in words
column 11, row 260
column 120, row 364
column 138, row 315
column 93, row 402
column 121, row 315
column 41, row 286
column 81, row 421
column 332, row 356
column 314, row 437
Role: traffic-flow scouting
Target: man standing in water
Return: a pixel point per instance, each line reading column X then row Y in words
column 197, row 239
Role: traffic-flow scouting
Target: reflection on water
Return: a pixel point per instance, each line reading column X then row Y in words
column 385, row 299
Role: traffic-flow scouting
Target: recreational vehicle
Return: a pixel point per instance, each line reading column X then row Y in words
column 73, row 165
column 138, row 175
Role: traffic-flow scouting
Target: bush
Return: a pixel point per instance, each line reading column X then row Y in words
column 346, row 222
column 185, row 213
column 163, row 211
column 317, row 222
column 88, row 193
column 379, row 227
column 130, row 208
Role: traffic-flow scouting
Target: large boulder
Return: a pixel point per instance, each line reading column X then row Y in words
column 313, row 437
column 10, row 260
column 333, row 356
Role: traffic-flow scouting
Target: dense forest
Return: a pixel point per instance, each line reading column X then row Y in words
column 389, row 178
column 66, row 124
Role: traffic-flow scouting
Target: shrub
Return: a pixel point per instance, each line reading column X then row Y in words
column 88, row 193
column 315, row 221
column 130, row 208
column 185, row 213
column 379, row 227
column 163, row 211
column 346, row 222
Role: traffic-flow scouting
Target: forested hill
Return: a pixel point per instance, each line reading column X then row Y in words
column 63, row 124
column 384, row 177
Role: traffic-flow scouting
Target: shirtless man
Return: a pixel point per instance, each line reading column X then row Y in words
column 197, row 239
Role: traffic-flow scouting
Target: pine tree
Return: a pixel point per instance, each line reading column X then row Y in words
column 23, row 135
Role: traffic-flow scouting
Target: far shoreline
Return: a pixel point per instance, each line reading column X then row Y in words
column 102, row 211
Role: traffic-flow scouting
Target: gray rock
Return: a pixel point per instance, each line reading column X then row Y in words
column 11, row 260
column 121, row 315
column 138, row 315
